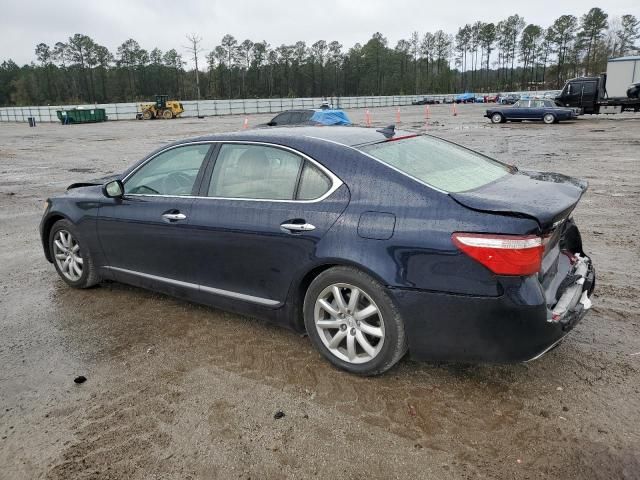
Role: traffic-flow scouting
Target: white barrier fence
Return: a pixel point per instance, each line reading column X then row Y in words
column 206, row 108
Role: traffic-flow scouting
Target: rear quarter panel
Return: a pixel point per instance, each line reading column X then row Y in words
column 419, row 254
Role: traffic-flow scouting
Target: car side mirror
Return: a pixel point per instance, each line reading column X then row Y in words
column 272, row 124
column 113, row 189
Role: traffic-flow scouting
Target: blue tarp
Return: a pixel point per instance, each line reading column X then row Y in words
column 331, row 117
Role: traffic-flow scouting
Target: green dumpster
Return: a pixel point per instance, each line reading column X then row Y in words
column 80, row 115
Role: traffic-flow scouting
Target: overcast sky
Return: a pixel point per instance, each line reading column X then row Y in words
column 164, row 23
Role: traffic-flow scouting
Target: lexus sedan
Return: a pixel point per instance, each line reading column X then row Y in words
column 543, row 110
column 373, row 242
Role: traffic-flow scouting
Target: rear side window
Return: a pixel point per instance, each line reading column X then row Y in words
column 255, row 171
column 438, row 163
column 313, row 183
column 589, row 87
column 301, row 117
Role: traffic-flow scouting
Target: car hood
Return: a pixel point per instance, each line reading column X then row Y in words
column 547, row 197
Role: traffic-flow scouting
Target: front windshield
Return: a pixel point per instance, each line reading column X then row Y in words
column 438, row 163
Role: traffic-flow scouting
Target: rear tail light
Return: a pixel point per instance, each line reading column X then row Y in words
column 503, row 254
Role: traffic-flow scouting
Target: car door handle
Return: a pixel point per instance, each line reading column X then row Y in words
column 298, row 227
column 172, row 217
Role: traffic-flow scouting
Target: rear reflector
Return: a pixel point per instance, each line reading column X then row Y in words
column 503, row 254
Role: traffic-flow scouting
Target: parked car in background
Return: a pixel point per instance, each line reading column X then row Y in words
column 540, row 110
column 311, row 116
column 425, row 101
column 465, row 98
column 374, row 242
column 508, row 99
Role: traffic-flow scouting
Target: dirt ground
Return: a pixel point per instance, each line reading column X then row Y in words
column 181, row 391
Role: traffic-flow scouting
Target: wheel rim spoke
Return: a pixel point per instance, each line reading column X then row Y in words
column 353, row 300
column 351, row 347
column 366, row 312
column 327, row 307
column 364, row 343
column 337, row 339
column 76, row 268
column 371, row 330
column 328, row 324
column 337, row 295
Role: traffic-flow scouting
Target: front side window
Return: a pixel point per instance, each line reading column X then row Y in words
column 256, row 172
column 172, row 172
column 438, row 163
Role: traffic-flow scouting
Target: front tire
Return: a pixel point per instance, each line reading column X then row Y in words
column 73, row 261
column 497, row 118
column 549, row 118
column 353, row 323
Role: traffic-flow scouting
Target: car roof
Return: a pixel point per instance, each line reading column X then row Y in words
column 344, row 135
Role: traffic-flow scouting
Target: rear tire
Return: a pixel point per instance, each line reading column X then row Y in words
column 361, row 332
column 549, row 118
column 167, row 114
column 147, row 115
column 497, row 118
column 73, row 261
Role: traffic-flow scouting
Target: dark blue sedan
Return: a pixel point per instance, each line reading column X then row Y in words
column 538, row 110
column 373, row 242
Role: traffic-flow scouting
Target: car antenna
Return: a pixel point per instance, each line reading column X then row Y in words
column 388, row 131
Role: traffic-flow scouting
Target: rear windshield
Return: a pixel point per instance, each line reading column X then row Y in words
column 438, row 163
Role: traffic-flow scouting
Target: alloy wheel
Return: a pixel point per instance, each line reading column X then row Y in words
column 349, row 323
column 66, row 251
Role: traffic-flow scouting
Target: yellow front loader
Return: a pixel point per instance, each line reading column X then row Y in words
column 162, row 108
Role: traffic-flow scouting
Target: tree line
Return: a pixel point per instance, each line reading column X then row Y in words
column 480, row 57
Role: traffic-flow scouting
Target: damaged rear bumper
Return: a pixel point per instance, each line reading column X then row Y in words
column 517, row 326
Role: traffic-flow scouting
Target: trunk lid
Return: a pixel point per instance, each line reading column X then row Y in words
column 547, row 197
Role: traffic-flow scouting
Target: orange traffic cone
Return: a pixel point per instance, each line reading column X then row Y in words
column 245, row 124
column 398, row 115
column 367, row 117
column 455, row 112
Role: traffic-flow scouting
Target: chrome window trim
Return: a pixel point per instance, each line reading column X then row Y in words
column 336, row 182
column 194, row 286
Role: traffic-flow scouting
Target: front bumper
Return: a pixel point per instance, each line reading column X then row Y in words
column 514, row 327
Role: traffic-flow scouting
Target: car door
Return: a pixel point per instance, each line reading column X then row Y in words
column 535, row 110
column 261, row 212
column 573, row 96
column 145, row 233
column 518, row 110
